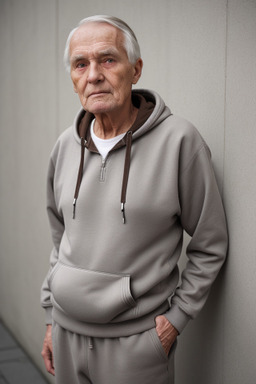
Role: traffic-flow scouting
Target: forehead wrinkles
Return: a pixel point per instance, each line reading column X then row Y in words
column 96, row 37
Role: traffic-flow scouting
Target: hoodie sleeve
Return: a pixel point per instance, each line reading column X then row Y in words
column 57, row 229
column 203, row 218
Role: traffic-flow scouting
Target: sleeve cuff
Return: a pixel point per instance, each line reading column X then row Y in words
column 48, row 315
column 177, row 317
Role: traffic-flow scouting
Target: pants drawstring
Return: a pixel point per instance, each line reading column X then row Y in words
column 90, row 344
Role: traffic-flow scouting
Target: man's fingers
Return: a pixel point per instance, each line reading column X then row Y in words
column 49, row 366
column 166, row 332
column 48, row 359
column 47, row 352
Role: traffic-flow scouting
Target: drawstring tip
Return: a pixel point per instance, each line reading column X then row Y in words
column 123, row 212
column 74, row 208
column 90, row 345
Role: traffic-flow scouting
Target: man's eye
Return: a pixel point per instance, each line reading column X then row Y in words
column 109, row 61
column 81, row 65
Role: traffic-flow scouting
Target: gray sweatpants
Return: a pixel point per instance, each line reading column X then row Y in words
column 137, row 359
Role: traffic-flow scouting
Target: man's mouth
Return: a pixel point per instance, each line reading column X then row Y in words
column 98, row 93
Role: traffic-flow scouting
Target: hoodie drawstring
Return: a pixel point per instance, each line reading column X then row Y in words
column 125, row 174
column 79, row 176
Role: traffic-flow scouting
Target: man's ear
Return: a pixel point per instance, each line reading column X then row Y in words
column 137, row 70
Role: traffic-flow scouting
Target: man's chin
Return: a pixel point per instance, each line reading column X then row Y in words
column 99, row 107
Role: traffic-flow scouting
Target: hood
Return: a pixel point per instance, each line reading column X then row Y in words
column 152, row 111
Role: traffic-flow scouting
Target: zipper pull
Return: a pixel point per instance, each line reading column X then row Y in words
column 102, row 170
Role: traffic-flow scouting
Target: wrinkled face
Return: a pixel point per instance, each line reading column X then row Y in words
column 100, row 70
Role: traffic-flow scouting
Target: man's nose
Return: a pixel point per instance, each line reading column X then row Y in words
column 95, row 74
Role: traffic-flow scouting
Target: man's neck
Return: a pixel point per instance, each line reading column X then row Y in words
column 107, row 125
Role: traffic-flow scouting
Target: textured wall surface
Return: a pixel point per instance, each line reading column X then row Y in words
column 200, row 56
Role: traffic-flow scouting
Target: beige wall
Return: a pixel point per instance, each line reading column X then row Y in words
column 200, row 56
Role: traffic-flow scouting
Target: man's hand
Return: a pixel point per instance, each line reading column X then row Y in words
column 47, row 352
column 166, row 333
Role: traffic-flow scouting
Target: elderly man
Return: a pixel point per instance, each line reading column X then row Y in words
column 124, row 182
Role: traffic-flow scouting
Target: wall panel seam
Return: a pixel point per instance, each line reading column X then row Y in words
column 225, row 98
column 57, row 82
column 223, row 350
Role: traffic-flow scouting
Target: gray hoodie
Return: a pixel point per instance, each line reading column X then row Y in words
column 117, row 225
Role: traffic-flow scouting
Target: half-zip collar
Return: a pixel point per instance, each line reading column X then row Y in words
column 145, row 110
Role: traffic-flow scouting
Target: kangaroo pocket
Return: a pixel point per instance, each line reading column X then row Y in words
column 90, row 296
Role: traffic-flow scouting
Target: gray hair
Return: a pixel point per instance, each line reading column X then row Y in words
column 130, row 41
